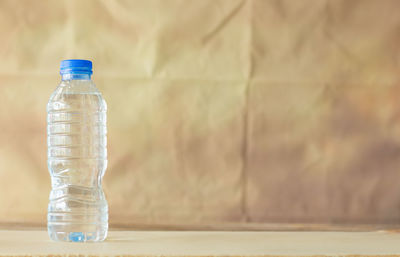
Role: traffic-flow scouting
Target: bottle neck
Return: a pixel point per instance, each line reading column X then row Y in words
column 76, row 76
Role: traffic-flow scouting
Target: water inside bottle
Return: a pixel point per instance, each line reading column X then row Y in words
column 77, row 160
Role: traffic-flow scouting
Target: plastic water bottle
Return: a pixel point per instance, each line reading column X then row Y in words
column 77, row 156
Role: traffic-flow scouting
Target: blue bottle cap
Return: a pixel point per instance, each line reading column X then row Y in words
column 76, row 66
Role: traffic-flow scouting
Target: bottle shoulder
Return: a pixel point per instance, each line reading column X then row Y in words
column 77, row 87
column 76, row 92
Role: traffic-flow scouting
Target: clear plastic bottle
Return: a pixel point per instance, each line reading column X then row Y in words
column 77, row 156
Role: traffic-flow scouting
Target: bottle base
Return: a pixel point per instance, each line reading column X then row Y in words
column 78, row 236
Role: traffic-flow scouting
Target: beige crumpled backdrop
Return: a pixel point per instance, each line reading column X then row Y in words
column 220, row 112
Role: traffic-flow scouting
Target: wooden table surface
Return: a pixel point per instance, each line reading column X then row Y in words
column 186, row 243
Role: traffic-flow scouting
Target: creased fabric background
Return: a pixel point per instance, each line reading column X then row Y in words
column 253, row 111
